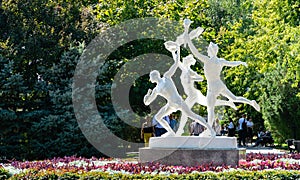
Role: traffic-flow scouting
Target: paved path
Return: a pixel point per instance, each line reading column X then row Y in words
column 265, row 150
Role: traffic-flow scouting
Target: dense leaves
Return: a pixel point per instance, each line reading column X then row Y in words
column 269, row 45
column 41, row 42
column 35, row 93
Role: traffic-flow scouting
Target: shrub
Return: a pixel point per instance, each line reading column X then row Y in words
column 236, row 174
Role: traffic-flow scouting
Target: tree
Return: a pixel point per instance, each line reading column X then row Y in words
column 39, row 47
column 57, row 134
column 13, row 115
column 269, row 46
column 33, row 37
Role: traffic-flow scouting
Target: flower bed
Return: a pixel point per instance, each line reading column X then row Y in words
column 282, row 166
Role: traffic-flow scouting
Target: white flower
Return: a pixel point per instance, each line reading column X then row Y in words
column 78, row 163
column 11, row 170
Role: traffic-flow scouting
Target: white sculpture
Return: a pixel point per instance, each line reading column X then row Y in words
column 166, row 88
column 212, row 70
column 182, row 39
column 188, row 78
column 215, row 86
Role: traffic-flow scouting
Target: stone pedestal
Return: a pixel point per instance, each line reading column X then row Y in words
column 192, row 151
column 187, row 142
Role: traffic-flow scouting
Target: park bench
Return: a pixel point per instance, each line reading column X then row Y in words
column 268, row 141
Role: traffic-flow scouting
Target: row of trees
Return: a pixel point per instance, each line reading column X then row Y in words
column 41, row 43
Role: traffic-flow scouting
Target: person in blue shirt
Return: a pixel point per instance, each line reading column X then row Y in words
column 173, row 122
column 158, row 128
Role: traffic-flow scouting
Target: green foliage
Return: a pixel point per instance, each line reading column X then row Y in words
column 4, row 174
column 280, row 104
column 13, row 115
column 39, row 50
column 57, row 134
column 267, row 43
column 33, row 38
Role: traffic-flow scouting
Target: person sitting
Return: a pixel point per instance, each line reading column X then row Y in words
column 264, row 138
column 268, row 139
column 259, row 139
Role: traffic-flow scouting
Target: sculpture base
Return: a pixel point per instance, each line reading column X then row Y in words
column 191, row 157
column 218, row 142
column 192, row 151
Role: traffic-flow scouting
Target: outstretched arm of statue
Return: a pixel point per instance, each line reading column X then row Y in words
column 232, row 63
column 173, row 68
column 196, row 77
column 174, row 48
column 195, row 51
column 180, row 65
column 150, row 96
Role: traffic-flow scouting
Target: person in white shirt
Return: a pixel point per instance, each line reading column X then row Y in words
column 242, row 130
column 250, row 130
column 259, row 139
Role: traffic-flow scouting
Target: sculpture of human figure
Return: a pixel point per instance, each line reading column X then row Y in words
column 215, row 86
column 188, row 77
column 166, row 88
column 181, row 39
